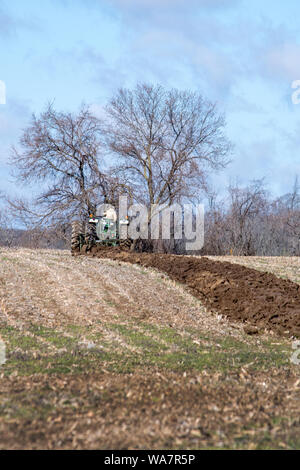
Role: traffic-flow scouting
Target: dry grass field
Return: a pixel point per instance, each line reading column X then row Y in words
column 103, row 354
column 283, row 267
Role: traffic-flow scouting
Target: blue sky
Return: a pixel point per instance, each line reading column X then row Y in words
column 243, row 55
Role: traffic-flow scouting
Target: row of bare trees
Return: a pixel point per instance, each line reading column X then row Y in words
column 155, row 145
column 33, row 237
column 246, row 222
column 249, row 222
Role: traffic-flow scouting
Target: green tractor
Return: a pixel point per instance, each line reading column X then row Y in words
column 102, row 230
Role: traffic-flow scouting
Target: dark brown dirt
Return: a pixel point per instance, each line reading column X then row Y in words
column 239, row 293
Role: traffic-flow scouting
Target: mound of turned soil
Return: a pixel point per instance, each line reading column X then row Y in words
column 261, row 300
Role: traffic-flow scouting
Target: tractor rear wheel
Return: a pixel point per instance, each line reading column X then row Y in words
column 90, row 235
column 77, row 236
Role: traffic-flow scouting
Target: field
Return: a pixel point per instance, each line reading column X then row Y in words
column 106, row 354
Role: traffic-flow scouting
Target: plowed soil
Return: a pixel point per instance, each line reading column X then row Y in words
column 259, row 299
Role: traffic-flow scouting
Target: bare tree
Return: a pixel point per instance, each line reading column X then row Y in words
column 246, row 204
column 8, row 236
column 286, row 209
column 165, row 142
column 63, row 153
column 293, row 210
column 162, row 144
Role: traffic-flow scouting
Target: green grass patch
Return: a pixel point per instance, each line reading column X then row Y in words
column 16, row 339
column 138, row 339
column 69, row 363
column 54, row 337
column 166, row 349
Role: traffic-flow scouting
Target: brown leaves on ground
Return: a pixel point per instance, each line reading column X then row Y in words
column 153, row 410
column 197, row 380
